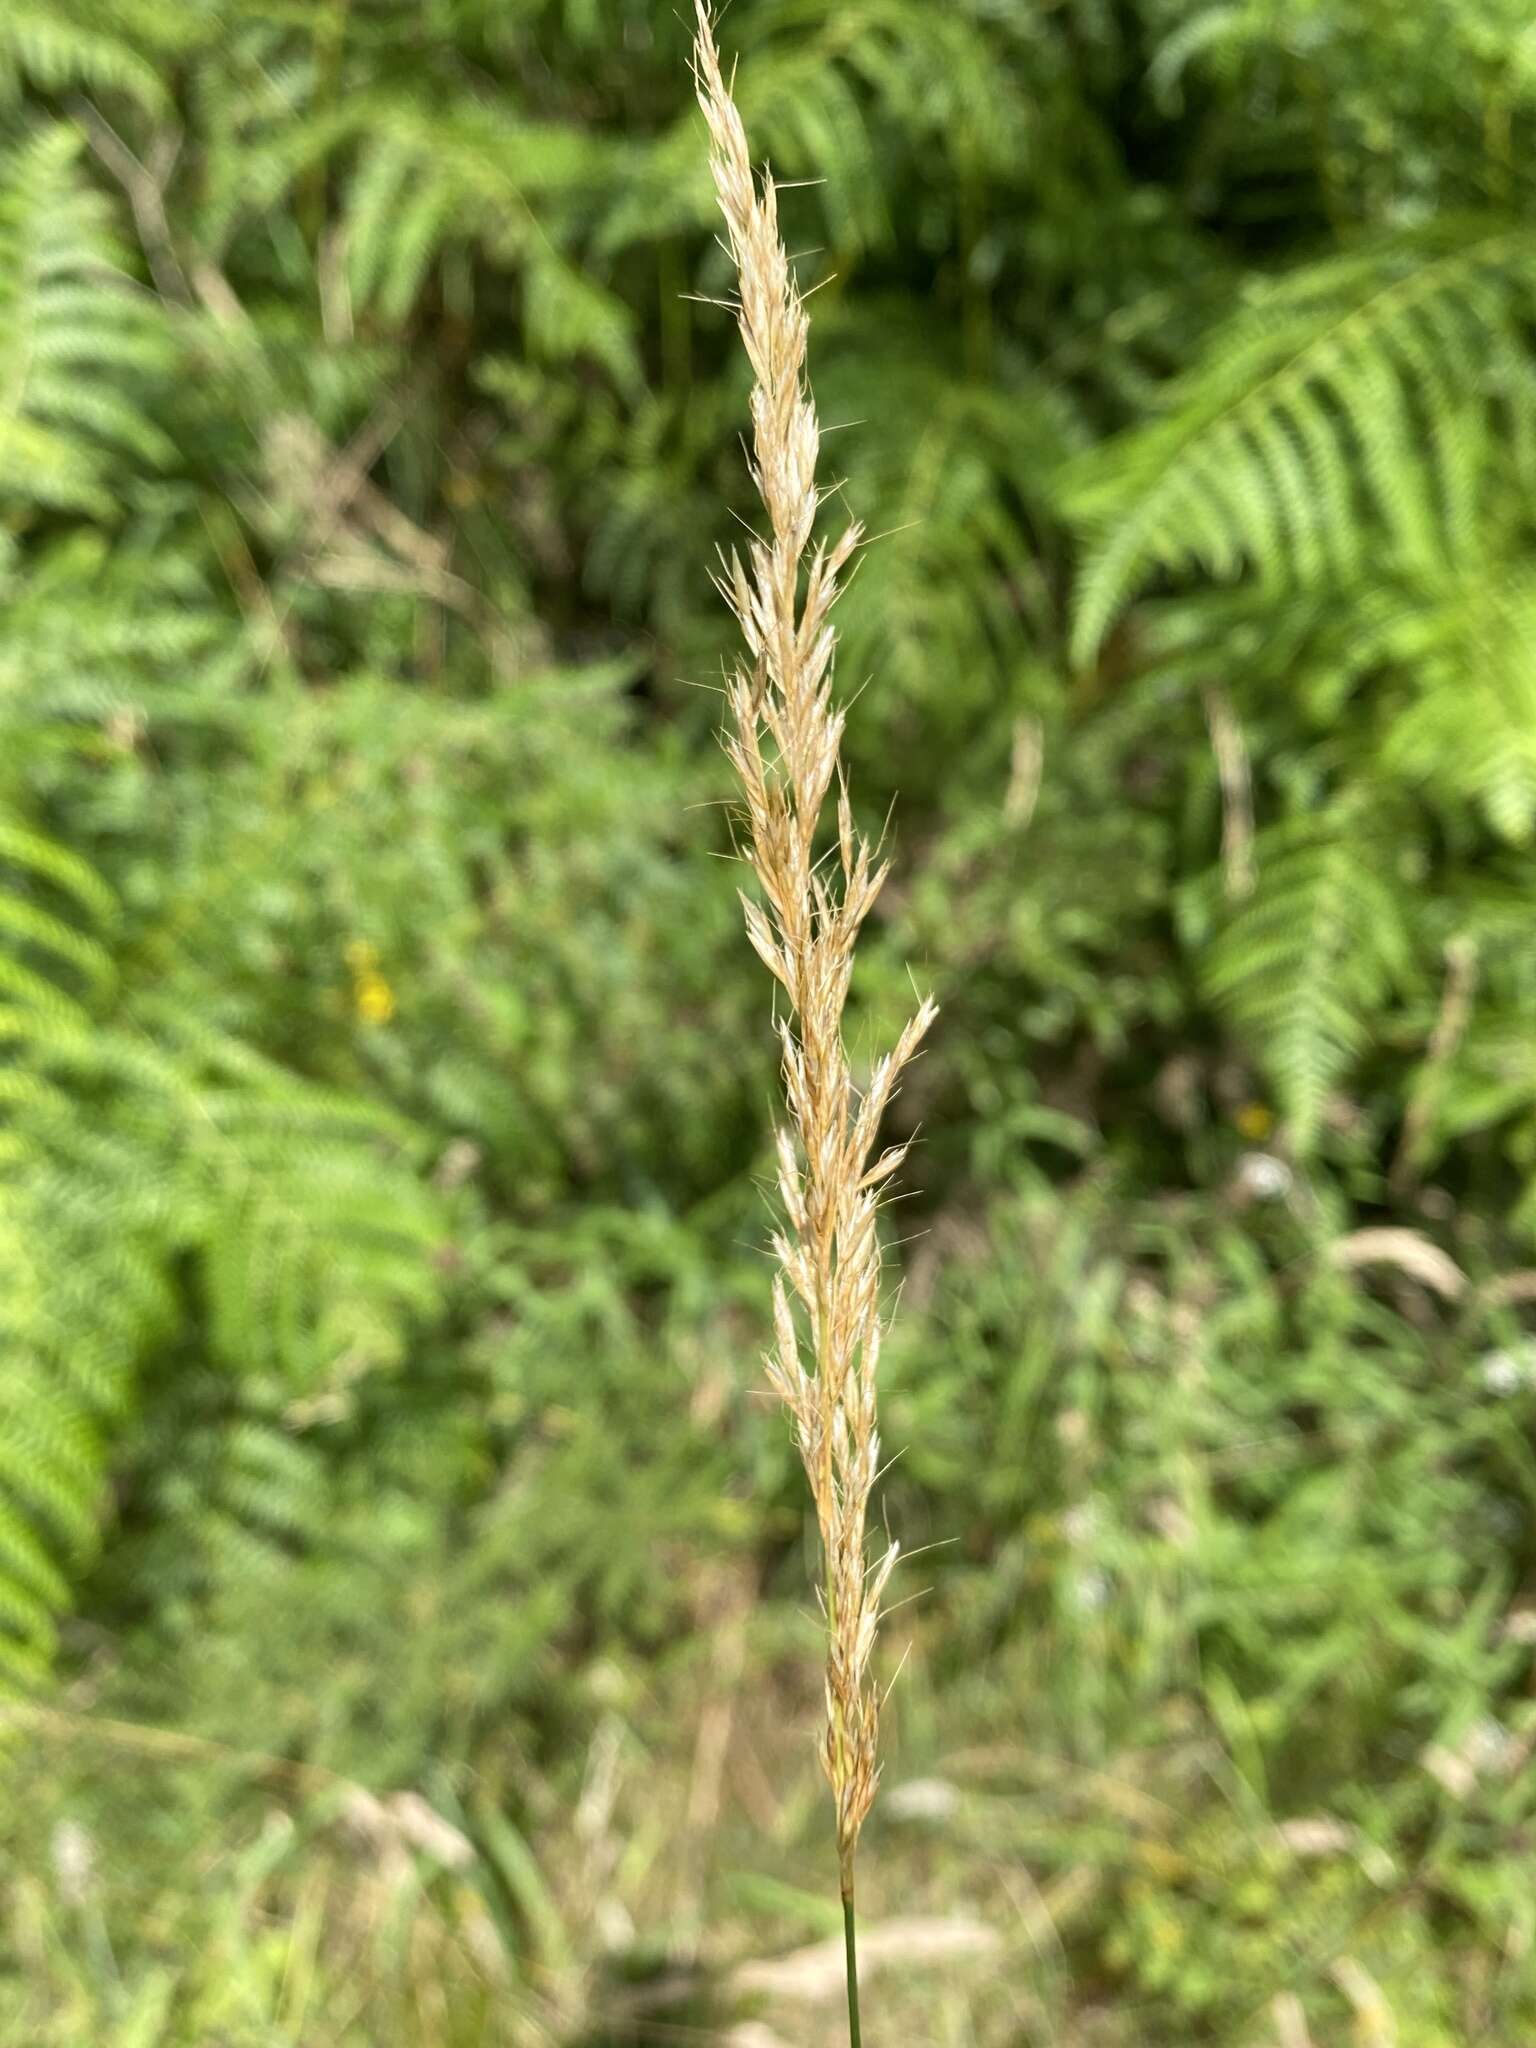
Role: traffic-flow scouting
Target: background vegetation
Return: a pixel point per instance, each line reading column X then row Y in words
column 400, row 1575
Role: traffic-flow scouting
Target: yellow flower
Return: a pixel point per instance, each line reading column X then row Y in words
column 1255, row 1121
column 373, row 997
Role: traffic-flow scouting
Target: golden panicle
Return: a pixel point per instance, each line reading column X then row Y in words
column 784, row 733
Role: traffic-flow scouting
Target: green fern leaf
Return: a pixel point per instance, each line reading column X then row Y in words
column 1469, row 731
column 55, row 44
column 74, row 341
column 1304, row 427
column 1304, row 966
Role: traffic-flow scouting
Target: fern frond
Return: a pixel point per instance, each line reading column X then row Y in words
column 75, row 340
column 1468, row 656
column 1305, row 964
column 133, row 1144
column 315, row 1251
column 1361, row 399
column 78, row 1301
column 956, row 471
column 834, row 90
column 54, row 44
column 824, row 82
column 91, row 630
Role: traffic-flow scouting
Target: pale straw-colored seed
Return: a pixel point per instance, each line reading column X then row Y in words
column 783, row 740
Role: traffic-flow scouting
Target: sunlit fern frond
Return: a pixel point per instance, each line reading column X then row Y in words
column 76, row 340
column 1356, row 406
column 92, row 633
column 80, row 1300
column 1466, row 656
column 108, row 46
column 81, row 1292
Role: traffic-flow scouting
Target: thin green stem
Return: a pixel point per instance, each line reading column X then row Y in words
column 855, row 2038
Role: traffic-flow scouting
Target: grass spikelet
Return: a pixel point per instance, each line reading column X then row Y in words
column 783, row 738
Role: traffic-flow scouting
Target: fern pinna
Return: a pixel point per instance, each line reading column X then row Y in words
column 157, row 1177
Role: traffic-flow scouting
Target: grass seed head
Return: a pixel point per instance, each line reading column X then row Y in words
column 783, row 739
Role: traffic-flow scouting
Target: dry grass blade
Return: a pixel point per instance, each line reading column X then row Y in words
column 1409, row 1250
column 783, row 738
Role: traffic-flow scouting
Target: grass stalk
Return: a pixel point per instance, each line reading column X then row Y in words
column 851, row 1945
column 816, row 884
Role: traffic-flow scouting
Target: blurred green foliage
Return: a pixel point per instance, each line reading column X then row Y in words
column 387, row 1084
